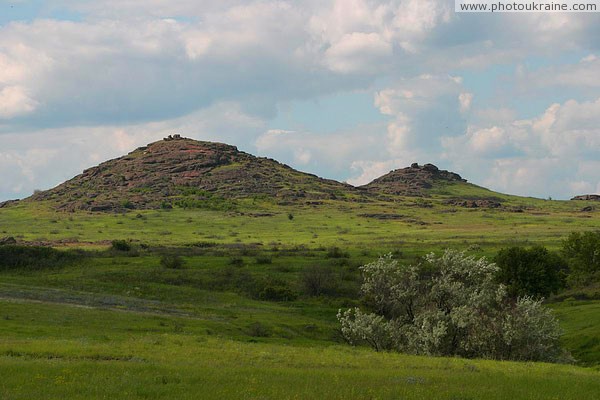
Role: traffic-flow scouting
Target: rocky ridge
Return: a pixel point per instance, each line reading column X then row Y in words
column 587, row 197
column 412, row 181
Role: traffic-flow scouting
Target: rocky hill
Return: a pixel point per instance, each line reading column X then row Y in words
column 412, row 181
column 187, row 172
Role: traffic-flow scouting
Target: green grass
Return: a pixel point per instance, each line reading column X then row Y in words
column 54, row 352
column 581, row 321
column 332, row 223
column 118, row 325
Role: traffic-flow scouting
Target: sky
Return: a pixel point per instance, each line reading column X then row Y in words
column 345, row 89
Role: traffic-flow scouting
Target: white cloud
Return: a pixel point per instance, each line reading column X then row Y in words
column 369, row 170
column 553, row 154
column 14, row 101
column 413, row 102
column 358, row 52
column 582, row 75
column 465, row 99
column 589, row 58
column 313, row 152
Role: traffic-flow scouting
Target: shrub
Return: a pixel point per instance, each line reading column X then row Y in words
column 530, row 271
column 171, row 262
column 263, row 260
column 276, row 291
column 236, row 261
column 317, row 280
column 127, row 204
column 256, row 329
column 450, row 306
column 120, row 245
column 35, row 257
column 582, row 251
column 336, row 252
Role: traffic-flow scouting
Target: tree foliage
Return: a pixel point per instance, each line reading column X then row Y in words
column 582, row 251
column 531, row 271
column 449, row 305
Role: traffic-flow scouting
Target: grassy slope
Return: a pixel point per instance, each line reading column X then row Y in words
column 55, row 352
column 331, row 223
column 581, row 321
column 155, row 333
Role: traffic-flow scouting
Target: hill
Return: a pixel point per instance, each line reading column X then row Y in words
column 412, row 181
column 183, row 171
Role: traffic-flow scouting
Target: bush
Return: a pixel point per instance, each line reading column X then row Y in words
column 120, row 245
column 582, row 251
column 236, row 261
column 35, row 257
column 171, row 262
column 450, row 306
column 276, row 291
column 256, row 329
column 336, row 252
column 530, row 272
column 263, row 260
column 317, row 280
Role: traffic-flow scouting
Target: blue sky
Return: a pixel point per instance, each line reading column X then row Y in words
column 346, row 89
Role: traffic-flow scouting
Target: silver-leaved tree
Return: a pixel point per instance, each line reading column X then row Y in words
column 450, row 305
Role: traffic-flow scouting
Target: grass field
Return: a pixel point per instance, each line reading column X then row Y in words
column 236, row 321
column 54, row 351
column 426, row 224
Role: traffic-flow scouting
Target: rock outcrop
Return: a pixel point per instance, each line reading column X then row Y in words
column 412, row 181
column 474, row 203
column 587, row 197
column 8, row 203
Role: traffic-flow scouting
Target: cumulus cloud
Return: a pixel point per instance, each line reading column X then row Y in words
column 14, row 102
column 582, row 76
column 122, row 73
column 358, row 52
column 325, row 155
column 412, row 102
column 552, row 154
column 465, row 99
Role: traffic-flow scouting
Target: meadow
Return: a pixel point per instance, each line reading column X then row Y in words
column 239, row 318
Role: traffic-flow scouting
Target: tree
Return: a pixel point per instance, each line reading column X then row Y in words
column 449, row 305
column 531, row 271
column 582, row 251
